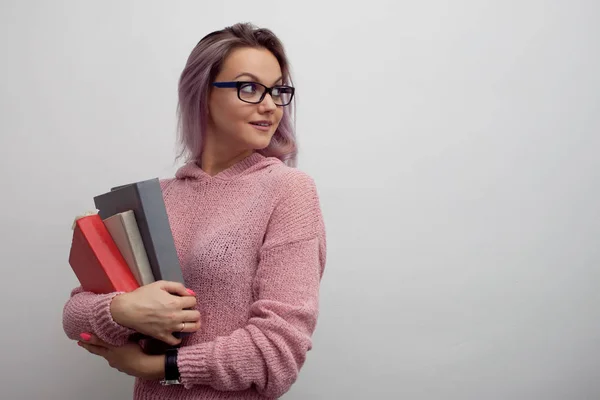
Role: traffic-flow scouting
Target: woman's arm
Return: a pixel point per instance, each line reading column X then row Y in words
column 270, row 350
column 156, row 310
column 87, row 312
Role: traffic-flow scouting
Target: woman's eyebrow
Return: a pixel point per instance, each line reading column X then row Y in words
column 255, row 77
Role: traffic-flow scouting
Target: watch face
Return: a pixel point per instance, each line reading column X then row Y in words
column 167, row 382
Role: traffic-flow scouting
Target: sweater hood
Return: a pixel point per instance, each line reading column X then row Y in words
column 251, row 164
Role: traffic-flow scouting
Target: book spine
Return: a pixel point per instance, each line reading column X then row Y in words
column 139, row 257
column 161, row 247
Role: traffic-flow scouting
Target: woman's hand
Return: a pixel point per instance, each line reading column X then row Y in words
column 157, row 310
column 129, row 358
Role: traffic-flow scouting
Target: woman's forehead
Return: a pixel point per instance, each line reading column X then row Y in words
column 258, row 63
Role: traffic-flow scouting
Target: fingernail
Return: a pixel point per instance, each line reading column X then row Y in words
column 190, row 291
column 86, row 336
column 79, row 344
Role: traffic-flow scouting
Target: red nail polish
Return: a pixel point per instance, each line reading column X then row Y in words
column 190, row 291
column 86, row 336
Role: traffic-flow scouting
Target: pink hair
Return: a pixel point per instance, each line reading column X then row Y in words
column 203, row 65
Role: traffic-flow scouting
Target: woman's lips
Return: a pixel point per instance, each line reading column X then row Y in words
column 262, row 125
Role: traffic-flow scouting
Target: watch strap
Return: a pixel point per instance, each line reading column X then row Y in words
column 171, row 368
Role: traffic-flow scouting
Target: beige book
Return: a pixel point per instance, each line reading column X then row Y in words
column 125, row 232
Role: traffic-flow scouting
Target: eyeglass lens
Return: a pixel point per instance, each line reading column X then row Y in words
column 252, row 93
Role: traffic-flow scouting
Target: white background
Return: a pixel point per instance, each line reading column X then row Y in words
column 455, row 146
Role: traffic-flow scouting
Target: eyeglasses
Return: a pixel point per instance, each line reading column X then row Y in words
column 254, row 92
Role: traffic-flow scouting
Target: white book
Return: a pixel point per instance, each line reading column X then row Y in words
column 125, row 232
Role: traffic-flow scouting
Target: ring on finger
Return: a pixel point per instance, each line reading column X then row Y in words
column 182, row 326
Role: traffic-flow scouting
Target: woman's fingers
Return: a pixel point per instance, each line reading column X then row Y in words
column 93, row 344
column 187, row 302
column 92, row 348
column 189, row 316
column 170, row 339
column 176, row 288
column 188, row 321
column 93, row 339
column 190, row 326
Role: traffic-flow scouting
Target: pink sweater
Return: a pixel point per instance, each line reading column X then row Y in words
column 251, row 242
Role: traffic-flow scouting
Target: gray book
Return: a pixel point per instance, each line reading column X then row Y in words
column 145, row 199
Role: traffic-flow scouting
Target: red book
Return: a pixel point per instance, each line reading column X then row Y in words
column 96, row 259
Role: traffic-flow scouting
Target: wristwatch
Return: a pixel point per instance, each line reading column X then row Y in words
column 171, row 369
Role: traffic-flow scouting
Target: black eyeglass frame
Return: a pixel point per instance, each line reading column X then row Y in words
column 239, row 84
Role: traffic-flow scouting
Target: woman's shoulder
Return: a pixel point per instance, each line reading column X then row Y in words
column 296, row 214
column 165, row 182
column 290, row 180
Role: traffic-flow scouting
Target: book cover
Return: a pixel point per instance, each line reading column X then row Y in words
column 124, row 230
column 96, row 260
column 146, row 201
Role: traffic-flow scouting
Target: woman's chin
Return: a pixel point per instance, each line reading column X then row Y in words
column 261, row 146
column 260, row 143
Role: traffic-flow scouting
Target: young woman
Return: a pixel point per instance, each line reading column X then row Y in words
column 249, row 233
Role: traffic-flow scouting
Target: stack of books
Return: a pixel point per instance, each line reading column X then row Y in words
column 127, row 242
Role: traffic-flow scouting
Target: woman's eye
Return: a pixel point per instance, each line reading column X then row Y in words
column 284, row 90
column 249, row 88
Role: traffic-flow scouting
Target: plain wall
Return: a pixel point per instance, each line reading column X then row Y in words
column 455, row 146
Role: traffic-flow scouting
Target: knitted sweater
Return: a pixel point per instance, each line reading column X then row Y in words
column 251, row 243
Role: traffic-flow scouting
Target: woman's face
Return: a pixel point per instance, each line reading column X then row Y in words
column 235, row 125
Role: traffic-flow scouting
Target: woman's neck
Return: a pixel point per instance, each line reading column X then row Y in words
column 218, row 155
column 212, row 161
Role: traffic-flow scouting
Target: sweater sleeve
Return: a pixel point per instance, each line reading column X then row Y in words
column 269, row 351
column 90, row 312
